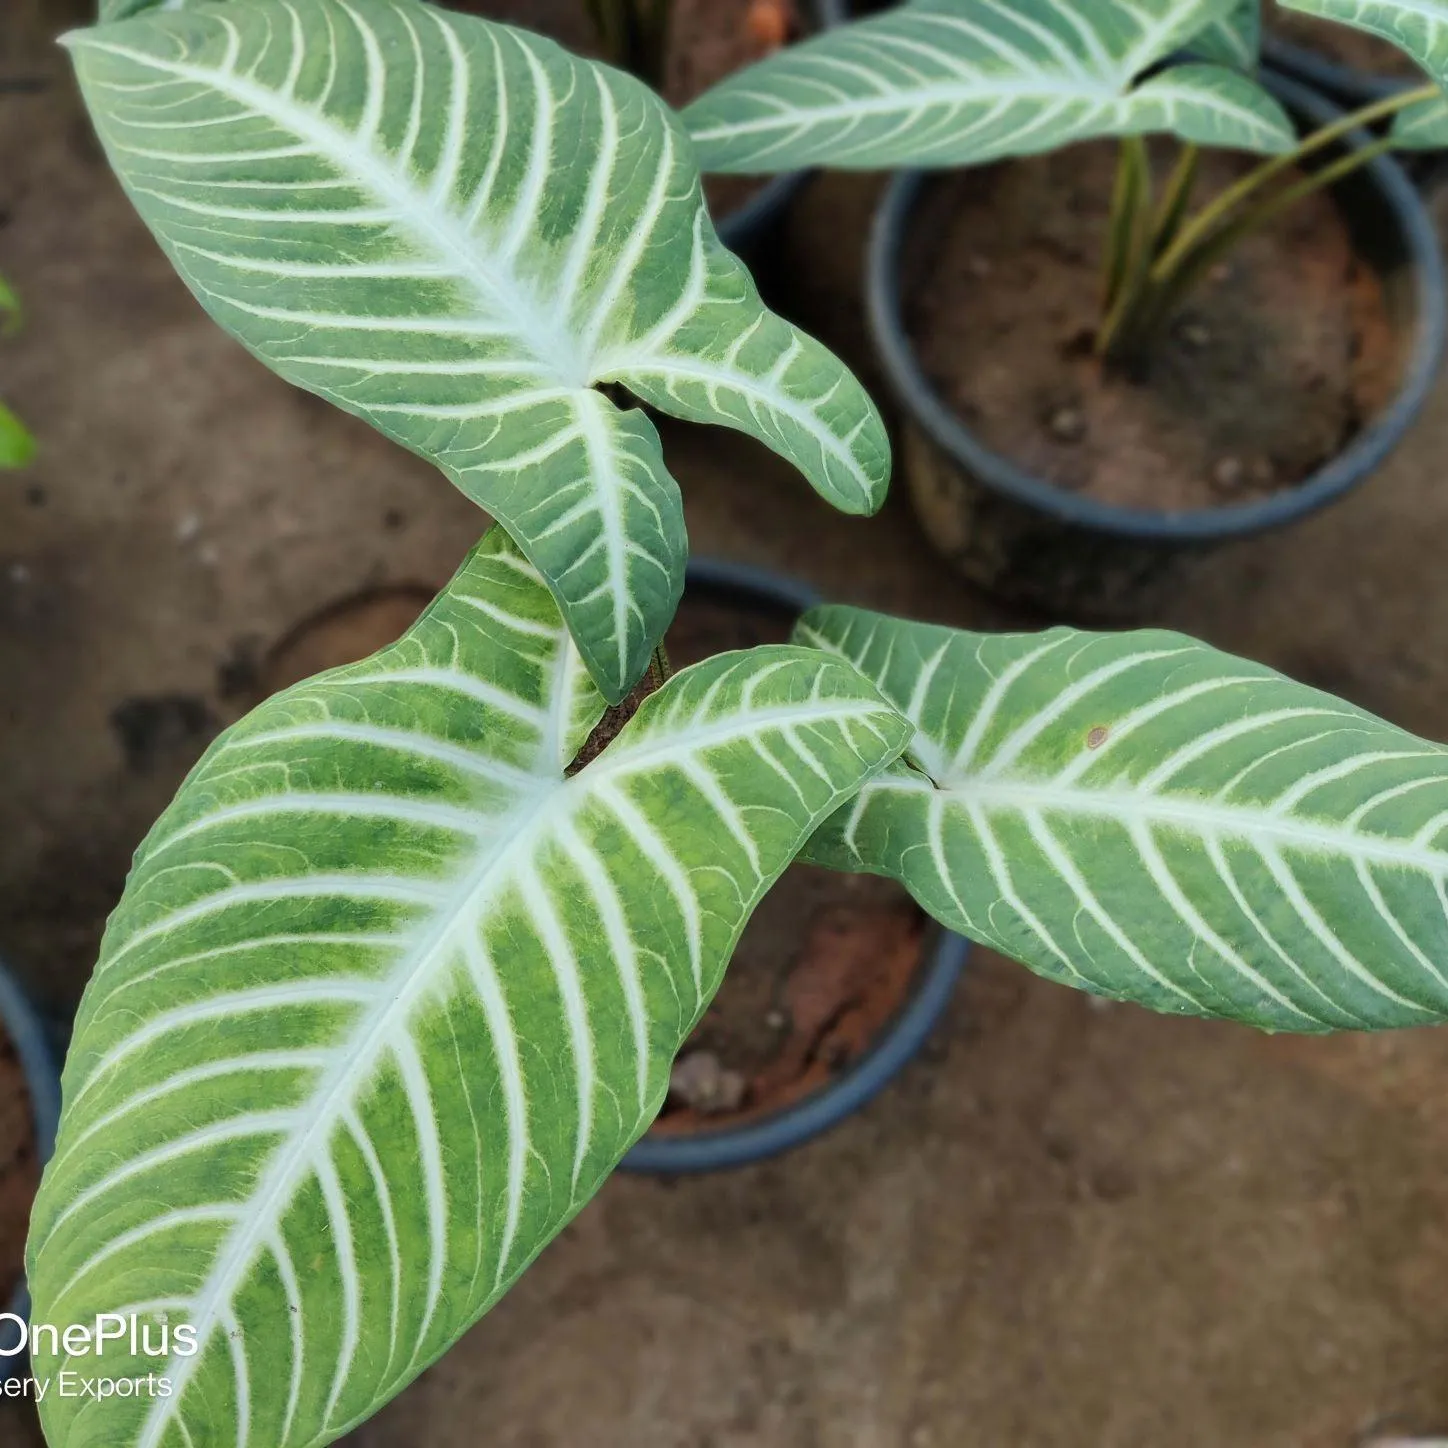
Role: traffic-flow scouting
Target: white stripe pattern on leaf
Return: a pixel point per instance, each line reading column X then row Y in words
column 1150, row 819
column 389, row 993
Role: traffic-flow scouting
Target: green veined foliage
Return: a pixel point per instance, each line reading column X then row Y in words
column 952, row 82
column 1422, row 126
column 1144, row 817
column 1419, row 27
column 1233, row 39
column 389, row 994
column 455, row 230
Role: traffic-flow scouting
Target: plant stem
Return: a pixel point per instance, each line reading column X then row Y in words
column 1175, row 199
column 1124, row 327
column 1217, row 209
column 1128, row 259
column 659, row 666
column 1127, row 206
column 1182, row 251
column 1195, row 265
column 633, row 35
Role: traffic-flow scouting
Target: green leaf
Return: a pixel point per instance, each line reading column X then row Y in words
column 108, row 10
column 1422, row 126
column 955, row 82
column 17, row 446
column 456, row 230
column 1419, row 27
column 9, row 308
column 1143, row 817
column 1234, row 39
column 388, row 996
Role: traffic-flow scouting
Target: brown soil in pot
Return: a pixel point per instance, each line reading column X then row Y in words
column 826, row 961
column 1266, row 372
column 1343, row 44
column 19, row 1172
column 708, row 40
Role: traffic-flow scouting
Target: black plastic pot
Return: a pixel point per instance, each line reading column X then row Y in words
column 748, row 228
column 1073, row 556
column 1342, row 84
column 944, row 957
column 27, row 1033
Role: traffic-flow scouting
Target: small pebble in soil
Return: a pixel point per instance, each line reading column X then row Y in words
column 776, row 1020
column 1229, row 474
column 19, row 573
column 700, row 1081
column 188, row 527
column 1263, row 473
column 978, row 266
column 1067, row 424
column 1195, row 334
column 1220, row 272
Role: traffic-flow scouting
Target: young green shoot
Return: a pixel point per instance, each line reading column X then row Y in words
column 1183, row 248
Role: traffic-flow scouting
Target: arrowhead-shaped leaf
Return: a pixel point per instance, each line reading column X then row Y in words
column 955, row 82
column 388, row 995
column 1419, row 27
column 455, row 230
column 1233, row 39
column 1146, row 818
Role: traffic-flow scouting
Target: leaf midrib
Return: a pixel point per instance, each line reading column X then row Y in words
column 955, row 93
column 1190, row 814
column 534, row 813
column 356, row 1062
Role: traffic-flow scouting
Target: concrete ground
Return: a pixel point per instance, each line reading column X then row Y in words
column 1067, row 1224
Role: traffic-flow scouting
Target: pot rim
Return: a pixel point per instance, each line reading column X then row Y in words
column 943, row 956
column 1332, row 77
column 22, row 1024
column 925, row 406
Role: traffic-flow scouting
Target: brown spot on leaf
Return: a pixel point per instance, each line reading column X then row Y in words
column 1096, row 737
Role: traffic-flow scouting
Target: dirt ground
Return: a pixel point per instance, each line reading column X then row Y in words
column 1066, row 1225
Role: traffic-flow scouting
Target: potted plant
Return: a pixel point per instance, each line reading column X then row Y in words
column 1103, row 376
column 835, row 983
column 832, row 988
column 399, row 976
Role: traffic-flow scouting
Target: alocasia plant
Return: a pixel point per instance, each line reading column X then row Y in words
column 399, row 975
column 954, row 82
column 459, row 232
